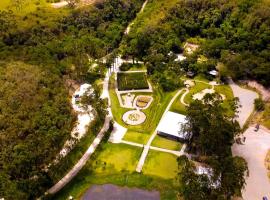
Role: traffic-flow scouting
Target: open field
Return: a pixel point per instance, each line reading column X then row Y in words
column 132, row 81
column 24, row 7
column 116, row 158
column 136, row 136
column 161, row 164
column 166, row 143
column 119, row 169
column 153, row 13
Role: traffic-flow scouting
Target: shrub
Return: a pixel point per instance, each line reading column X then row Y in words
column 259, row 104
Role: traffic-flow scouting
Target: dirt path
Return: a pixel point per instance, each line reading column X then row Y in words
column 129, row 26
column 254, row 152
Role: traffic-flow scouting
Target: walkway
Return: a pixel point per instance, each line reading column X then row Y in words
column 254, row 151
column 176, row 153
column 147, row 146
column 246, row 99
column 74, row 171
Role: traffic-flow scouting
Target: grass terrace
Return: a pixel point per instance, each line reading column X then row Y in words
column 177, row 106
column 132, row 81
column 165, row 143
column 161, row 164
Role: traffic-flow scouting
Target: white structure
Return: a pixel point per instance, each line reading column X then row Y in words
column 180, row 57
column 171, row 126
column 213, row 72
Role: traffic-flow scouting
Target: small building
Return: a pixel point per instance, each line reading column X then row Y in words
column 213, row 73
column 170, row 126
column 190, row 74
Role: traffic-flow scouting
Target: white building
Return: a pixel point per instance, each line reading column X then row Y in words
column 171, row 126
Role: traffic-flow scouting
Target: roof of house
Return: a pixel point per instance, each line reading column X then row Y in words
column 213, row 72
column 171, row 124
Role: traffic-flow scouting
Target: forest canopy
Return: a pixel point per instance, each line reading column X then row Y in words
column 234, row 32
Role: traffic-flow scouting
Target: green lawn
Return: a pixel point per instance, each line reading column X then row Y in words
column 195, row 89
column 166, row 143
column 135, row 136
column 225, row 90
column 161, row 164
column 177, row 106
column 119, row 169
column 117, row 158
column 130, row 81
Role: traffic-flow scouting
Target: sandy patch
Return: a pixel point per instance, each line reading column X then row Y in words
column 59, row 4
column 200, row 95
column 85, row 116
column 118, row 133
column 134, row 117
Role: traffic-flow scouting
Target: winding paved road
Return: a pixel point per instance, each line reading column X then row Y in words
column 254, row 151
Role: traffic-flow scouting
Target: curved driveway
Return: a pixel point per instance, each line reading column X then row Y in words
column 246, row 99
column 254, row 151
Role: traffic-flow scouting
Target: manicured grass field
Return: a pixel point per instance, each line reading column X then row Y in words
column 117, row 158
column 177, row 106
column 166, row 143
column 161, row 164
column 119, row 169
column 135, row 136
column 132, row 81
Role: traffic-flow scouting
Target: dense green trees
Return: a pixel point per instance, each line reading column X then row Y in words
column 93, row 31
column 35, row 120
column 212, row 134
column 212, row 130
column 235, row 32
column 35, row 114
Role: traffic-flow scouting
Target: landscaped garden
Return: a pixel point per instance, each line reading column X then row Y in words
column 132, row 81
column 153, row 112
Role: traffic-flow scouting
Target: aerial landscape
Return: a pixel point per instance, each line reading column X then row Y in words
column 135, row 99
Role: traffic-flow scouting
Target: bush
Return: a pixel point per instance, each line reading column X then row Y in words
column 259, row 104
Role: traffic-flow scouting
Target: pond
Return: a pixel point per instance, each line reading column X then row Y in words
column 113, row 192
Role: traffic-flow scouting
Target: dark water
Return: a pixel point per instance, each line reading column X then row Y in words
column 112, row 192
